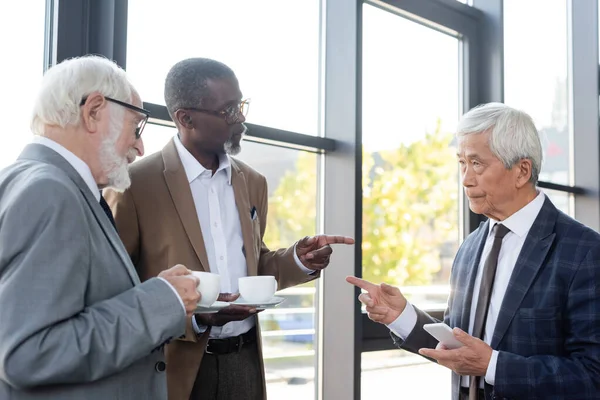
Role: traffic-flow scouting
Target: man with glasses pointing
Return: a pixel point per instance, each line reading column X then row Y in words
column 193, row 202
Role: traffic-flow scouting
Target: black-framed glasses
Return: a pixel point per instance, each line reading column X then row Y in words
column 231, row 114
column 145, row 113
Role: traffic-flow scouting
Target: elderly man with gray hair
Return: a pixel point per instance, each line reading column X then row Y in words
column 525, row 286
column 76, row 323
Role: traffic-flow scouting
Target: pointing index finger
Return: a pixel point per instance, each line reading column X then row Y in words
column 336, row 239
column 361, row 283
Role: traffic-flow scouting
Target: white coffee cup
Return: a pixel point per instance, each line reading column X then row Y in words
column 257, row 289
column 209, row 287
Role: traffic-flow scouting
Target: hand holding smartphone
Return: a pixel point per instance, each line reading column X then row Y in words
column 443, row 333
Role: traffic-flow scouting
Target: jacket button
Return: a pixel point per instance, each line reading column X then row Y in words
column 160, row 366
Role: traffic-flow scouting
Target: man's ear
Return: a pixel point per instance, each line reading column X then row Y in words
column 184, row 119
column 523, row 170
column 91, row 110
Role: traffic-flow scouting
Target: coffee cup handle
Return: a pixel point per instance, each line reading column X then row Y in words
column 275, row 285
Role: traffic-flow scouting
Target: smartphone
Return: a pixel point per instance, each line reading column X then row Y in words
column 443, row 333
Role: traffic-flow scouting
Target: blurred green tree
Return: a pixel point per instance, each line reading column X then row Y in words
column 410, row 208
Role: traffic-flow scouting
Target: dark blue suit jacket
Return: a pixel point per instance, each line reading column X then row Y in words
column 548, row 328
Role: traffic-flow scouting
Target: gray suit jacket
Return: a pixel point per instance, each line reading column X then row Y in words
column 75, row 321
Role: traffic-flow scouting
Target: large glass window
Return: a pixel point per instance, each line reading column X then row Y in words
column 289, row 339
column 22, row 48
column 272, row 46
column 410, row 176
column 535, row 77
column 288, row 331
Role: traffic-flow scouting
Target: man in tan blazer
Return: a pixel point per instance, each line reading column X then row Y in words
column 194, row 204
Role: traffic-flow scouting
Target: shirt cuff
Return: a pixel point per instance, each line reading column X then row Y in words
column 405, row 323
column 300, row 265
column 199, row 329
column 176, row 294
column 490, row 374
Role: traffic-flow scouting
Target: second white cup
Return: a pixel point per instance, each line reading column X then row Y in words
column 257, row 289
column 209, row 287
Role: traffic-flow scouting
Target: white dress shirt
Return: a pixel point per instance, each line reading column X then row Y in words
column 86, row 174
column 221, row 230
column 519, row 224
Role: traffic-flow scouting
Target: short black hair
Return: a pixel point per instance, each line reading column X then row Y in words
column 186, row 82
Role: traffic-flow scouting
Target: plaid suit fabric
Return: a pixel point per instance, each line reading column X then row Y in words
column 548, row 329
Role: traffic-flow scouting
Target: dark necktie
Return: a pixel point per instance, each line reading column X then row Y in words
column 107, row 211
column 485, row 292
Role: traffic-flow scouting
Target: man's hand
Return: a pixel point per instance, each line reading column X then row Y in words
column 471, row 359
column 384, row 303
column 314, row 251
column 233, row 312
column 185, row 283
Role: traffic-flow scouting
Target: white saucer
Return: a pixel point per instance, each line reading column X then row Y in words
column 213, row 308
column 274, row 302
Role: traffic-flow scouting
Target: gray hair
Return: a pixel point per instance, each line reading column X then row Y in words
column 186, row 82
column 65, row 85
column 513, row 135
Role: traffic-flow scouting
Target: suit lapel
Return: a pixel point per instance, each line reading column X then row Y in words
column 533, row 254
column 181, row 193
column 471, row 273
column 111, row 233
column 240, row 191
column 44, row 154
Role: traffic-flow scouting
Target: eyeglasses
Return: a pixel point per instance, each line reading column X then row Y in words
column 231, row 114
column 140, row 125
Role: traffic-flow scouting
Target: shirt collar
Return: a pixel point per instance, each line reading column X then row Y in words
column 521, row 222
column 193, row 168
column 77, row 163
